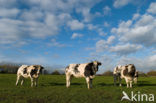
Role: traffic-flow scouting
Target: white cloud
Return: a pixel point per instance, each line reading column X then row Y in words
column 9, row 12
column 110, row 39
column 101, row 32
column 145, row 20
column 152, row 8
column 103, row 45
column 136, row 16
column 86, row 13
column 120, row 3
column 33, row 14
column 54, row 43
column 81, row 6
column 9, row 31
column 125, row 49
column 106, row 10
column 76, row 35
column 91, row 27
column 42, row 18
column 106, row 24
column 75, row 25
column 144, row 64
column 7, row 3
column 141, row 32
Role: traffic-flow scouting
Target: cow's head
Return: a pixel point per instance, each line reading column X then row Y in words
column 95, row 65
column 38, row 69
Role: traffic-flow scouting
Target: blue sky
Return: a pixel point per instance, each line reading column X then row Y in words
column 59, row 32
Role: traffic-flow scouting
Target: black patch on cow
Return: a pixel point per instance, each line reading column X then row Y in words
column 89, row 70
column 66, row 69
column 125, row 72
column 131, row 73
column 25, row 70
column 136, row 74
column 76, row 68
column 33, row 71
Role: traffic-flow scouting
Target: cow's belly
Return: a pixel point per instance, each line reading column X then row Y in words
column 25, row 76
column 35, row 76
column 78, row 75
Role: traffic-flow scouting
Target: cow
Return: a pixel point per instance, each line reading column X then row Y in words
column 29, row 71
column 86, row 70
column 117, row 74
column 128, row 72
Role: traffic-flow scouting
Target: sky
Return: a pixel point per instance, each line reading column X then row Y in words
column 56, row 33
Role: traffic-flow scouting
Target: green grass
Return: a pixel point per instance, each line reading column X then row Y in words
column 51, row 89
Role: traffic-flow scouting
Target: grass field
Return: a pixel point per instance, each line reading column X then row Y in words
column 52, row 89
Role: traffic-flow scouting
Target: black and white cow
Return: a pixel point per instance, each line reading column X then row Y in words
column 86, row 70
column 31, row 72
column 128, row 72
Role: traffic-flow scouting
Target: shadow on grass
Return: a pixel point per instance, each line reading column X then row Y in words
column 60, row 84
column 104, row 84
column 144, row 83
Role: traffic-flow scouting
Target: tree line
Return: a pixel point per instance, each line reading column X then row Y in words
column 12, row 69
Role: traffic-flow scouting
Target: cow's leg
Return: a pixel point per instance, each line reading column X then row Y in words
column 120, row 81
column 91, row 81
column 130, row 84
column 135, row 80
column 35, row 81
column 68, row 78
column 127, row 82
column 22, row 80
column 115, row 78
column 88, row 82
column 18, row 78
column 32, row 81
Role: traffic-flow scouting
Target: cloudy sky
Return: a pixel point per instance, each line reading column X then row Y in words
column 60, row 32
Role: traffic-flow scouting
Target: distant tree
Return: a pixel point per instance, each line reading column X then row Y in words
column 151, row 73
column 8, row 68
column 108, row 73
column 56, row 72
column 142, row 74
column 45, row 72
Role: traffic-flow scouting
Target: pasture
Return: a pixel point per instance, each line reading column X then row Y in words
column 51, row 89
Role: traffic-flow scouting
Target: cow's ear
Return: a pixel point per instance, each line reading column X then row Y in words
column 35, row 66
column 42, row 67
column 99, row 63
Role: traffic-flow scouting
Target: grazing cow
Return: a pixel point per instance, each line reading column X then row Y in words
column 87, row 70
column 31, row 72
column 128, row 72
column 117, row 74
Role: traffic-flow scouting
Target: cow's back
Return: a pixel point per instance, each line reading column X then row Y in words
column 21, row 69
column 76, row 70
column 129, row 70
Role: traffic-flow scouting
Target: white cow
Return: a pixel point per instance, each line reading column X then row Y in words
column 87, row 70
column 117, row 74
column 128, row 72
column 31, row 72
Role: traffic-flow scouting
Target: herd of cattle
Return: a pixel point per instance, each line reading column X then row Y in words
column 86, row 70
